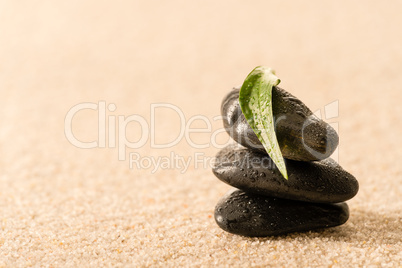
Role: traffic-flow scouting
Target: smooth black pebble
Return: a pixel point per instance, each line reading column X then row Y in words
column 254, row 215
column 301, row 135
column 321, row 181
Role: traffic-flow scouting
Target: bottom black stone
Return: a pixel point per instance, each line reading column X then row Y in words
column 248, row 214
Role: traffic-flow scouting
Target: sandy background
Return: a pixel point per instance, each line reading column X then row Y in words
column 65, row 206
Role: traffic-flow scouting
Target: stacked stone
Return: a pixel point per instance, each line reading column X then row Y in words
column 265, row 203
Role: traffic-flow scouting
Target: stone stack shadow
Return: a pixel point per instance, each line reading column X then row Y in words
column 265, row 203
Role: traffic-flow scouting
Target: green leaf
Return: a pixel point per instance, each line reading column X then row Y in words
column 256, row 104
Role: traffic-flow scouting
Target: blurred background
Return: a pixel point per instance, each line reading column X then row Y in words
column 60, row 203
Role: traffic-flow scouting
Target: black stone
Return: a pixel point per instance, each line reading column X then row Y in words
column 254, row 215
column 301, row 135
column 322, row 181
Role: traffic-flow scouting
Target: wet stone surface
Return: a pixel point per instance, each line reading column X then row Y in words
column 301, row 135
column 255, row 215
column 265, row 203
column 322, row 181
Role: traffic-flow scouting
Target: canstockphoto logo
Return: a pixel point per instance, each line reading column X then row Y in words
column 111, row 133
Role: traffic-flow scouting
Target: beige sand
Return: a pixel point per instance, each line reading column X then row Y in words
column 65, row 206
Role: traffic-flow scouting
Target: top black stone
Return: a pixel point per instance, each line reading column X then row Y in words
column 300, row 134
